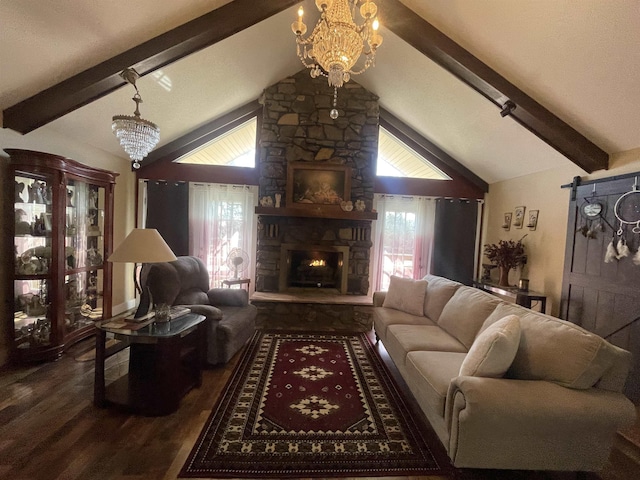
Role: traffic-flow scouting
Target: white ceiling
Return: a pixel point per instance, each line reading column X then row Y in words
column 579, row 58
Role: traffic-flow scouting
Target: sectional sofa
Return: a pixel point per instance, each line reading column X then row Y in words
column 504, row 387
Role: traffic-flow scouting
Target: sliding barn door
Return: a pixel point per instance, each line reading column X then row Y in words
column 601, row 293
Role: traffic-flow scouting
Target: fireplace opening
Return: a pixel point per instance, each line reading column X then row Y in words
column 314, row 266
column 310, row 268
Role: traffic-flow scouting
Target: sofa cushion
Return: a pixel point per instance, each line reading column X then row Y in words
column 493, row 350
column 502, row 310
column 402, row 339
column 429, row 374
column 406, row 295
column 562, row 352
column 439, row 292
column 383, row 317
column 465, row 313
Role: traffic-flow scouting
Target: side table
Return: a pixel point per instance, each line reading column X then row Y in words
column 165, row 362
column 236, row 281
column 521, row 297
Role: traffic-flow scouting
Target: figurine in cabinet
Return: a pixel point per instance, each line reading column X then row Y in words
column 38, row 192
column 19, row 190
column 93, row 257
column 22, row 226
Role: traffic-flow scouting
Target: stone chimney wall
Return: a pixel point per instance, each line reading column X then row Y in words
column 296, row 127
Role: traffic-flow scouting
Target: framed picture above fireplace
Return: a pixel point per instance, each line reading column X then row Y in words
column 317, row 184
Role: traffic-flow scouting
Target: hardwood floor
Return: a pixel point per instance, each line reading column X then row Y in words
column 50, row 429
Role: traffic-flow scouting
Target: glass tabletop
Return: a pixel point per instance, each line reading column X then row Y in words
column 177, row 326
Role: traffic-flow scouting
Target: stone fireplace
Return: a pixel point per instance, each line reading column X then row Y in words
column 284, row 242
column 296, row 127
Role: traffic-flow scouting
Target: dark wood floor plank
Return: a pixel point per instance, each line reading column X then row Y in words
column 50, row 429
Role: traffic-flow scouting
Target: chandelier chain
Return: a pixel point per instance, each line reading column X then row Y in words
column 137, row 136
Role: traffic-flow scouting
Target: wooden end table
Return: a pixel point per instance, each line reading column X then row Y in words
column 237, row 281
column 520, row 297
column 165, row 362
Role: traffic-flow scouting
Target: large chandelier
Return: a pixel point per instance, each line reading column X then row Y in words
column 337, row 43
column 137, row 136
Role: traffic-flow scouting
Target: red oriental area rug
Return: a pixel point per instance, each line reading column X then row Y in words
column 311, row 405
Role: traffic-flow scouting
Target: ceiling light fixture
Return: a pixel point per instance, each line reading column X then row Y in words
column 137, row 136
column 337, row 43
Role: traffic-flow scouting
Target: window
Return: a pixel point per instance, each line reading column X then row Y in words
column 221, row 219
column 403, row 238
column 397, row 159
column 234, row 148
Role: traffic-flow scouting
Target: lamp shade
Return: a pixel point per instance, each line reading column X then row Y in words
column 143, row 245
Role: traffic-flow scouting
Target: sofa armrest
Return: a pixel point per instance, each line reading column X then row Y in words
column 229, row 297
column 378, row 298
column 533, row 424
column 209, row 311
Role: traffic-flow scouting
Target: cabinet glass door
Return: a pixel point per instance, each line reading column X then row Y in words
column 84, row 250
column 33, row 250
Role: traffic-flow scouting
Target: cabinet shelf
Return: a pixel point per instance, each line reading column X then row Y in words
column 38, row 276
column 73, row 271
column 28, row 235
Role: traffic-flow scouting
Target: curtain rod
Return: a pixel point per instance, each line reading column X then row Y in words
column 220, row 184
column 408, row 197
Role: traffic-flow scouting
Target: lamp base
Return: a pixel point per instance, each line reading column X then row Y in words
column 145, row 310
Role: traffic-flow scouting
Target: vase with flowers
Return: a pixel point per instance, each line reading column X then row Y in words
column 506, row 254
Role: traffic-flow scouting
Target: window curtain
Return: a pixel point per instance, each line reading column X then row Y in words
column 455, row 244
column 403, row 238
column 168, row 212
column 221, row 218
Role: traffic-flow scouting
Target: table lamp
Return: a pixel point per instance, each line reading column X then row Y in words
column 142, row 245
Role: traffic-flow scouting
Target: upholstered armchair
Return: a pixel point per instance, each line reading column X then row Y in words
column 185, row 281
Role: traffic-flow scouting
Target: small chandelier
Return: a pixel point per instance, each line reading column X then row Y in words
column 137, row 136
column 336, row 43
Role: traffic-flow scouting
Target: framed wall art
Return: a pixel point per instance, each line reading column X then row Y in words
column 506, row 223
column 518, row 220
column 532, row 223
column 317, row 184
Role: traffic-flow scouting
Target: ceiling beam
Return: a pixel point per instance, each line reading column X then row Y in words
column 102, row 79
column 429, row 41
column 235, row 16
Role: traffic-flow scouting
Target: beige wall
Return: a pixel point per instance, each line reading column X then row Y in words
column 47, row 140
column 546, row 245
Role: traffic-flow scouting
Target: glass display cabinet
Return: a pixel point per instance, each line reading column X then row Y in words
column 62, row 230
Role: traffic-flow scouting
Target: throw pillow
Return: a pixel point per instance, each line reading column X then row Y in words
column 493, row 350
column 406, row 295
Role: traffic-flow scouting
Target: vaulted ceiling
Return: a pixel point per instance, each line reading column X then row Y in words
column 572, row 69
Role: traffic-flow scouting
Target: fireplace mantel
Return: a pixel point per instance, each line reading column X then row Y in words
column 319, row 211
